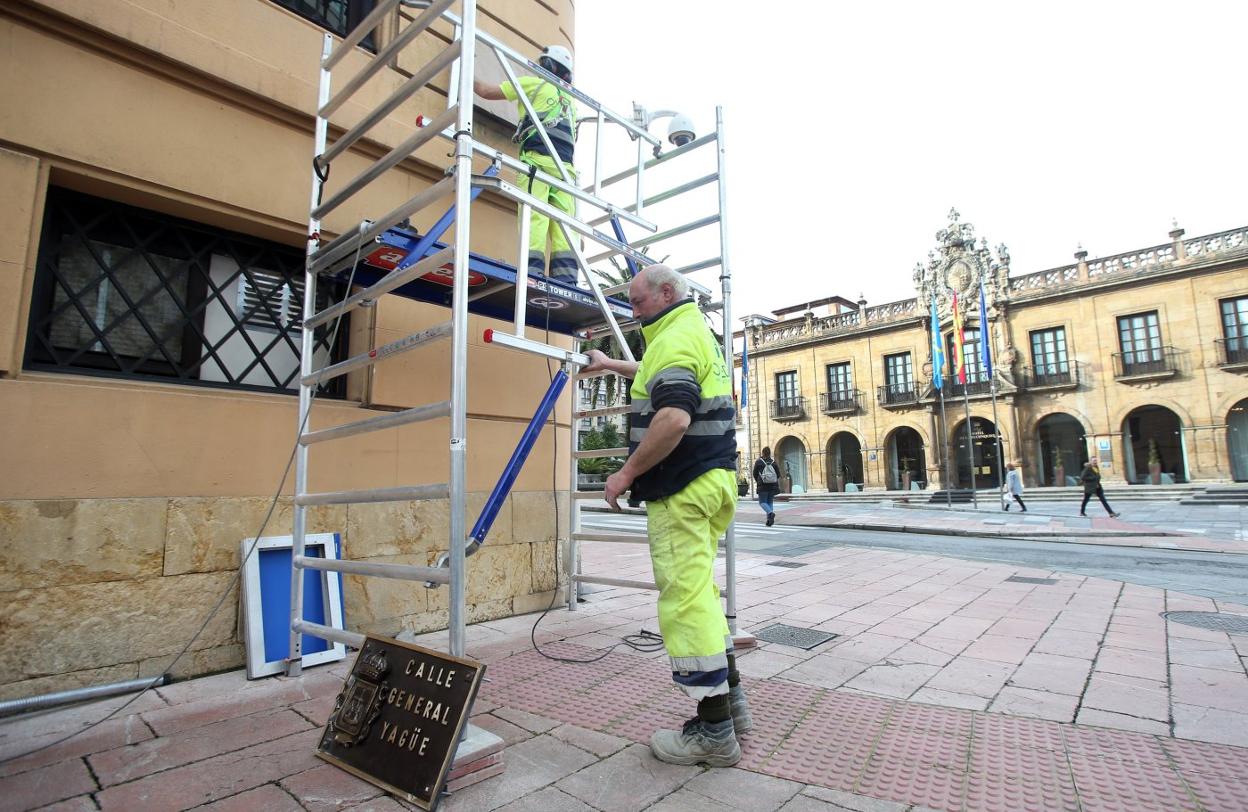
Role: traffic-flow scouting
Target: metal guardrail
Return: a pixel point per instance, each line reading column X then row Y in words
column 1232, row 351
column 1153, row 361
column 898, row 394
column 845, row 401
column 1064, row 375
column 788, row 408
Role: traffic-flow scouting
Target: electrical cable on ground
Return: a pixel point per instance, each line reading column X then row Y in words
column 237, row 575
column 645, row 641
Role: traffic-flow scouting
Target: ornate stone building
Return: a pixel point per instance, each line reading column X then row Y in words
column 1139, row 359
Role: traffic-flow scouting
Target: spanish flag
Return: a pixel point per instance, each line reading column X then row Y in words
column 959, row 361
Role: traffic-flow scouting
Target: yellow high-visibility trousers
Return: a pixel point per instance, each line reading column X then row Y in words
column 562, row 260
column 684, row 532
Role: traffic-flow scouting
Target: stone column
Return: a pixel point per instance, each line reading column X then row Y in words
column 1081, row 258
column 1176, row 238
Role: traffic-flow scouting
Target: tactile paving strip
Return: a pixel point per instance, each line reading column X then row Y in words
column 1199, row 758
column 1136, row 786
column 943, row 758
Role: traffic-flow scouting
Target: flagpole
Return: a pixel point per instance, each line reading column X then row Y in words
column 970, row 447
column 944, row 433
column 992, row 387
column 985, row 351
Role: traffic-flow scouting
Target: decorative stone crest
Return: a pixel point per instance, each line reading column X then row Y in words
column 958, row 265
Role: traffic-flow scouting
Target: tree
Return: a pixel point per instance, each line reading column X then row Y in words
column 606, row 437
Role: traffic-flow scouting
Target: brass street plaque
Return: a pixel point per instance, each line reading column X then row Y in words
column 399, row 717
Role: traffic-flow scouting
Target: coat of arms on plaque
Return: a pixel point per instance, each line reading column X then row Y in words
column 359, row 702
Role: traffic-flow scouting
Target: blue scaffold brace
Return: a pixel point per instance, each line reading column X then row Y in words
column 439, row 228
column 490, row 512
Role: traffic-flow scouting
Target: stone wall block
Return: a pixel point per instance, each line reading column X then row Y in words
column 533, row 516
column 369, row 601
column 397, row 528
column 543, row 556
column 51, row 542
column 73, row 628
column 498, row 572
column 205, row 532
column 195, row 663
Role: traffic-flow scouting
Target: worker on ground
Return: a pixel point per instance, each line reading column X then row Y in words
column 681, row 463
column 556, row 110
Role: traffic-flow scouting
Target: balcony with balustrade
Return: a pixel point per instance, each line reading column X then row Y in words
column 788, row 409
column 841, row 402
column 1232, row 353
column 1153, row 363
column 1048, row 377
column 899, row 395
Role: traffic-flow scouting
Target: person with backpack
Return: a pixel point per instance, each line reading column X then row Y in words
column 555, row 108
column 767, row 484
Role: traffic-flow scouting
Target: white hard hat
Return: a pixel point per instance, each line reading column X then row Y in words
column 560, row 56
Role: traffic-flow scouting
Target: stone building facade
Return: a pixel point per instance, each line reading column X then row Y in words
column 155, row 159
column 1139, row 359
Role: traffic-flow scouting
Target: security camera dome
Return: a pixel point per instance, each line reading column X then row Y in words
column 680, row 131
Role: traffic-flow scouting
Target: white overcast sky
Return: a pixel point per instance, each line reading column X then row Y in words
column 852, row 128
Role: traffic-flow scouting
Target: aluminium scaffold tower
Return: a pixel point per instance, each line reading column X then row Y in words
column 384, row 256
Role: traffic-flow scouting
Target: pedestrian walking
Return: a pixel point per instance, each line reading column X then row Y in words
column 1013, row 487
column 767, row 484
column 1091, row 479
column 682, row 464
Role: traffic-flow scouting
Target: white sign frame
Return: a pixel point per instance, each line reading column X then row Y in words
column 253, row 608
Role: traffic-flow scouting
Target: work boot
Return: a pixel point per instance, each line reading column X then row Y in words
column 741, row 721
column 699, row 742
column 771, row 519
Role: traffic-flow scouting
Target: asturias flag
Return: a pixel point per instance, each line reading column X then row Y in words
column 985, row 345
column 959, row 362
column 938, row 351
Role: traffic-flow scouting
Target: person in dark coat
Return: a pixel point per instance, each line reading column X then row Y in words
column 1091, row 479
column 767, row 484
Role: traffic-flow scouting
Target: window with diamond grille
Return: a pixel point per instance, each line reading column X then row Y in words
column 338, row 16
column 126, row 292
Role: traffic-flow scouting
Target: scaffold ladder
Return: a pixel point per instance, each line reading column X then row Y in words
column 330, row 257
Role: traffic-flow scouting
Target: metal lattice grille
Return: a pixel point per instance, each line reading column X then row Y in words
column 128, row 292
column 1214, row 621
column 794, row 636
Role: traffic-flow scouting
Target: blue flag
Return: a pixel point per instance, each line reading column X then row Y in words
column 938, row 351
column 985, row 348
column 745, row 368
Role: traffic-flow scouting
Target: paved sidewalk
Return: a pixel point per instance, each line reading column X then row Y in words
column 950, row 687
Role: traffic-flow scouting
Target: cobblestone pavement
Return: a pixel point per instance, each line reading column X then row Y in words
column 949, row 686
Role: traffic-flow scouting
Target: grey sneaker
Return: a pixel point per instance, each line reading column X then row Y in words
column 699, row 742
column 741, row 721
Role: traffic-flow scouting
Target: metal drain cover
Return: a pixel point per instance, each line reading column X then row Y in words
column 787, row 564
column 794, row 636
column 1027, row 579
column 1214, row 621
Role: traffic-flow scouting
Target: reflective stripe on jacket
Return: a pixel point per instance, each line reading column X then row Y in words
column 681, row 350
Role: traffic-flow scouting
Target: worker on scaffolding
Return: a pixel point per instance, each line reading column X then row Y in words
column 556, row 110
column 682, row 463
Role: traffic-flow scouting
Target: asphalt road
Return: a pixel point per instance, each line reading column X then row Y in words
column 1221, row 576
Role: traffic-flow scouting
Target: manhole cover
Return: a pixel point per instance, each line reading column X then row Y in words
column 1027, row 579
column 794, row 636
column 787, row 564
column 1214, row 621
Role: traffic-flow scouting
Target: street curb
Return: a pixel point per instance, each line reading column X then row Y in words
column 1050, row 537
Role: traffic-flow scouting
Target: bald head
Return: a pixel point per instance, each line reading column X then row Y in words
column 654, row 289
